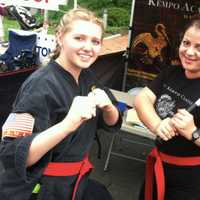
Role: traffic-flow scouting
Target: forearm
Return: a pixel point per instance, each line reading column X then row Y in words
column 146, row 112
column 111, row 115
column 149, row 117
column 45, row 141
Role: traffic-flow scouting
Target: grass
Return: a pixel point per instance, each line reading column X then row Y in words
column 13, row 24
column 8, row 24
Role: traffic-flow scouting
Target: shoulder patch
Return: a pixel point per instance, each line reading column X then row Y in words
column 18, row 125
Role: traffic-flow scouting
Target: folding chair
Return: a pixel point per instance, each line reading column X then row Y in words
column 21, row 52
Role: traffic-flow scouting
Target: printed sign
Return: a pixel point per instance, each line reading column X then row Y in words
column 45, row 44
column 41, row 4
column 63, row 2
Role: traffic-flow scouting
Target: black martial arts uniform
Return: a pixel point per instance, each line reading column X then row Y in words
column 47, row 95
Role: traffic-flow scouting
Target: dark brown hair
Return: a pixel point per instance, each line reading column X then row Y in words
column 194, row 22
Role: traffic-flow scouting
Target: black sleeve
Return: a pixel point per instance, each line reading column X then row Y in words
column 33, row 98
column 13, row 154
column 18, row 181
column 101, row 123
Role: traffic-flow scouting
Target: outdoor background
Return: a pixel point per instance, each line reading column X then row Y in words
column 118, row 12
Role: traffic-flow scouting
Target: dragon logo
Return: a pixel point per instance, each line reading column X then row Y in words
column 149, row 46
column 165, row 106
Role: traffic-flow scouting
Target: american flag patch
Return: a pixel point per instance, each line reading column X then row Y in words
column 18, row 125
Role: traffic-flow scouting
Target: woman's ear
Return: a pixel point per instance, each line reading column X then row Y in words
column 59, row 37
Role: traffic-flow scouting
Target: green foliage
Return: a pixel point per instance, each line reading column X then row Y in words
column 126, row 4
column 113, row 30
column 95, row 4
column 118, row 17
column 116, row 29
column 9, row 24
column 102, row 4
column 118, row 14
column 55, row 16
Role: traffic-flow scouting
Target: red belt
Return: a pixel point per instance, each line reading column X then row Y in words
column 154, row 166
column 69, row 169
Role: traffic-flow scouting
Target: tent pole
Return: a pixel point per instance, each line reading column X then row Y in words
column 127, row 53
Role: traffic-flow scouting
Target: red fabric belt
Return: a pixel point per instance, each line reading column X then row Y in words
column 154, row 166
column 69, row 169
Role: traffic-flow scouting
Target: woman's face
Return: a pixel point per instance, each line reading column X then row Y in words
column 189, row 52
column 80, row 46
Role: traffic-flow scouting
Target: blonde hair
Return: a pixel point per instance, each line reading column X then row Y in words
column 71, row 16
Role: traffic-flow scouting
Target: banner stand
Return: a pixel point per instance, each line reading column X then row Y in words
column 127, row 53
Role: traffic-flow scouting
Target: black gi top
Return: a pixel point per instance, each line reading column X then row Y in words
column 173, row 91
column 47, row 95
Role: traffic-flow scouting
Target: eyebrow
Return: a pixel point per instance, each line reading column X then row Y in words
column 84, row 35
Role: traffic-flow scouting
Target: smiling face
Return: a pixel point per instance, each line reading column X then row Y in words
column 80, row 46
column 189, row 52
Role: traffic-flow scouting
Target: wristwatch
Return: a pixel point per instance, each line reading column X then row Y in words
column 195, row 135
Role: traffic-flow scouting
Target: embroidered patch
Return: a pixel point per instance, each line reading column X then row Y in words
column 18, row 125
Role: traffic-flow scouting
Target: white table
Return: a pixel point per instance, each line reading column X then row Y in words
column 130, row 129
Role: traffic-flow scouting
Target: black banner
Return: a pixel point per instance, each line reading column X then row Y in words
column 155, row 37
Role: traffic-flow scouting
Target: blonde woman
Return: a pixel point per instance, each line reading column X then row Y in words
column 48, row 135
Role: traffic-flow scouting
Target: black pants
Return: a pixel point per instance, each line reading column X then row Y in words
column 175, row 194
column 141, row 194
column 96, row 191
column 93, row 191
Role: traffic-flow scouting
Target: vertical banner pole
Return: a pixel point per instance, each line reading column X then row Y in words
column 126, row 55
column 45, row 21
column 75, row 4
column 46, row 16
